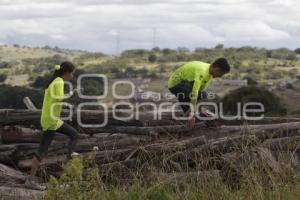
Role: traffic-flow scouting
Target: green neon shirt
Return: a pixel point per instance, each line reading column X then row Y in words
column 52, row 105
column 192, row 71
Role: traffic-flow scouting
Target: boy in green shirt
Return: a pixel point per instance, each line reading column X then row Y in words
column 189, row 81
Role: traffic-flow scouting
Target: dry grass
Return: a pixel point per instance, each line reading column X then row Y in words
column 248, row 177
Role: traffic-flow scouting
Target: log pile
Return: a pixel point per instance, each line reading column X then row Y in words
column 126, row 146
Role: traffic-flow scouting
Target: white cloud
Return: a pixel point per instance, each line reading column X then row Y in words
column 249, row 31
column 94, row 24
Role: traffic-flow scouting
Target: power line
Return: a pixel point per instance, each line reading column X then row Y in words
column 154, row 36
column 118, row 41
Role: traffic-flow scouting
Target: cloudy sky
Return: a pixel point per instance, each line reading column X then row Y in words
column 96, row 25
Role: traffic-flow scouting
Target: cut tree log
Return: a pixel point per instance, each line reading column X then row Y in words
column 29, row 104
column 283, row 144
column 9, row 175
column 12, row 116
column 101, row 157
column 255, row 129
column 215, row 148
column 149, row 131
column 17, row 193
column 19, row 134
column 175, row 146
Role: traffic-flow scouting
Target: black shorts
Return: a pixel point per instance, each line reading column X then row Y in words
column 183, row 92
column 48, row 136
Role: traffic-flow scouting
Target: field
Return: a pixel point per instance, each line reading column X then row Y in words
column 155, row 159
column 146, row 158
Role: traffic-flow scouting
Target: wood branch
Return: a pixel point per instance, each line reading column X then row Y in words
column 19, row 134
column 259, row 128
column 15, row 152
column 16, row 193
column 283, row 144
column 139, row 145
column 121, row 154
column 216, row 147
column 9, row 175
column 15, row 134
column 100, row 157
column 11, row 116
column 150, row 131
column 175, row 146
column 29, row 104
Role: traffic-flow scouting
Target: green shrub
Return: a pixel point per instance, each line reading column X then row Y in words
column 2, row 77
column 12, row 96
column 81, row 180
column 272, row 103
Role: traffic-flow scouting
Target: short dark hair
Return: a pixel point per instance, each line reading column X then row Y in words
column 222, row 64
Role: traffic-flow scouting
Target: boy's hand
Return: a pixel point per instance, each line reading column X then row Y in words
column 205, row 113
column 76, row 90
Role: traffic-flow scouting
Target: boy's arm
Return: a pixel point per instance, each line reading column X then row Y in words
column 195, row 92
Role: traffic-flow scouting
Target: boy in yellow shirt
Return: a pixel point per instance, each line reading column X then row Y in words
column 189, row 82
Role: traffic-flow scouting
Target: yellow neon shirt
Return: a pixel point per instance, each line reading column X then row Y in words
column 192, row 71
column 52, row 105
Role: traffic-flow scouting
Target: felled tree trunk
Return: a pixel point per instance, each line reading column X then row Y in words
column 18, row 192
column 10, row 176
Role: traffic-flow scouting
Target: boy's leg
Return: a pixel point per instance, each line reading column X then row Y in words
column 72, row 133
column 183, row 91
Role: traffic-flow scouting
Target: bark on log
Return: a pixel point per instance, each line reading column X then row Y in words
column 253, row 129
column 215, row 147
column 9, row 175
column 175, row 146
column 283, row 144
column 19, row 134
column 17, row 193
column 148, row 131
column 14, row 116
column 14, row 152
column 100, row 157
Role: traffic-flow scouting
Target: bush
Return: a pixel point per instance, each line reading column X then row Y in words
column 271, row 102
column 12, row 97
column 282, row 53
column 250, row 81
column 40, row 81
column 297, row 51
column 290, row 86
column 44, row 64
column 152, row 58
column 134, row 53
column 8, row 64
column 2, row 77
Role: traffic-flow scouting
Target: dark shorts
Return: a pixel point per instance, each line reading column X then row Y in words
column 48, row 136
column 183, row 92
